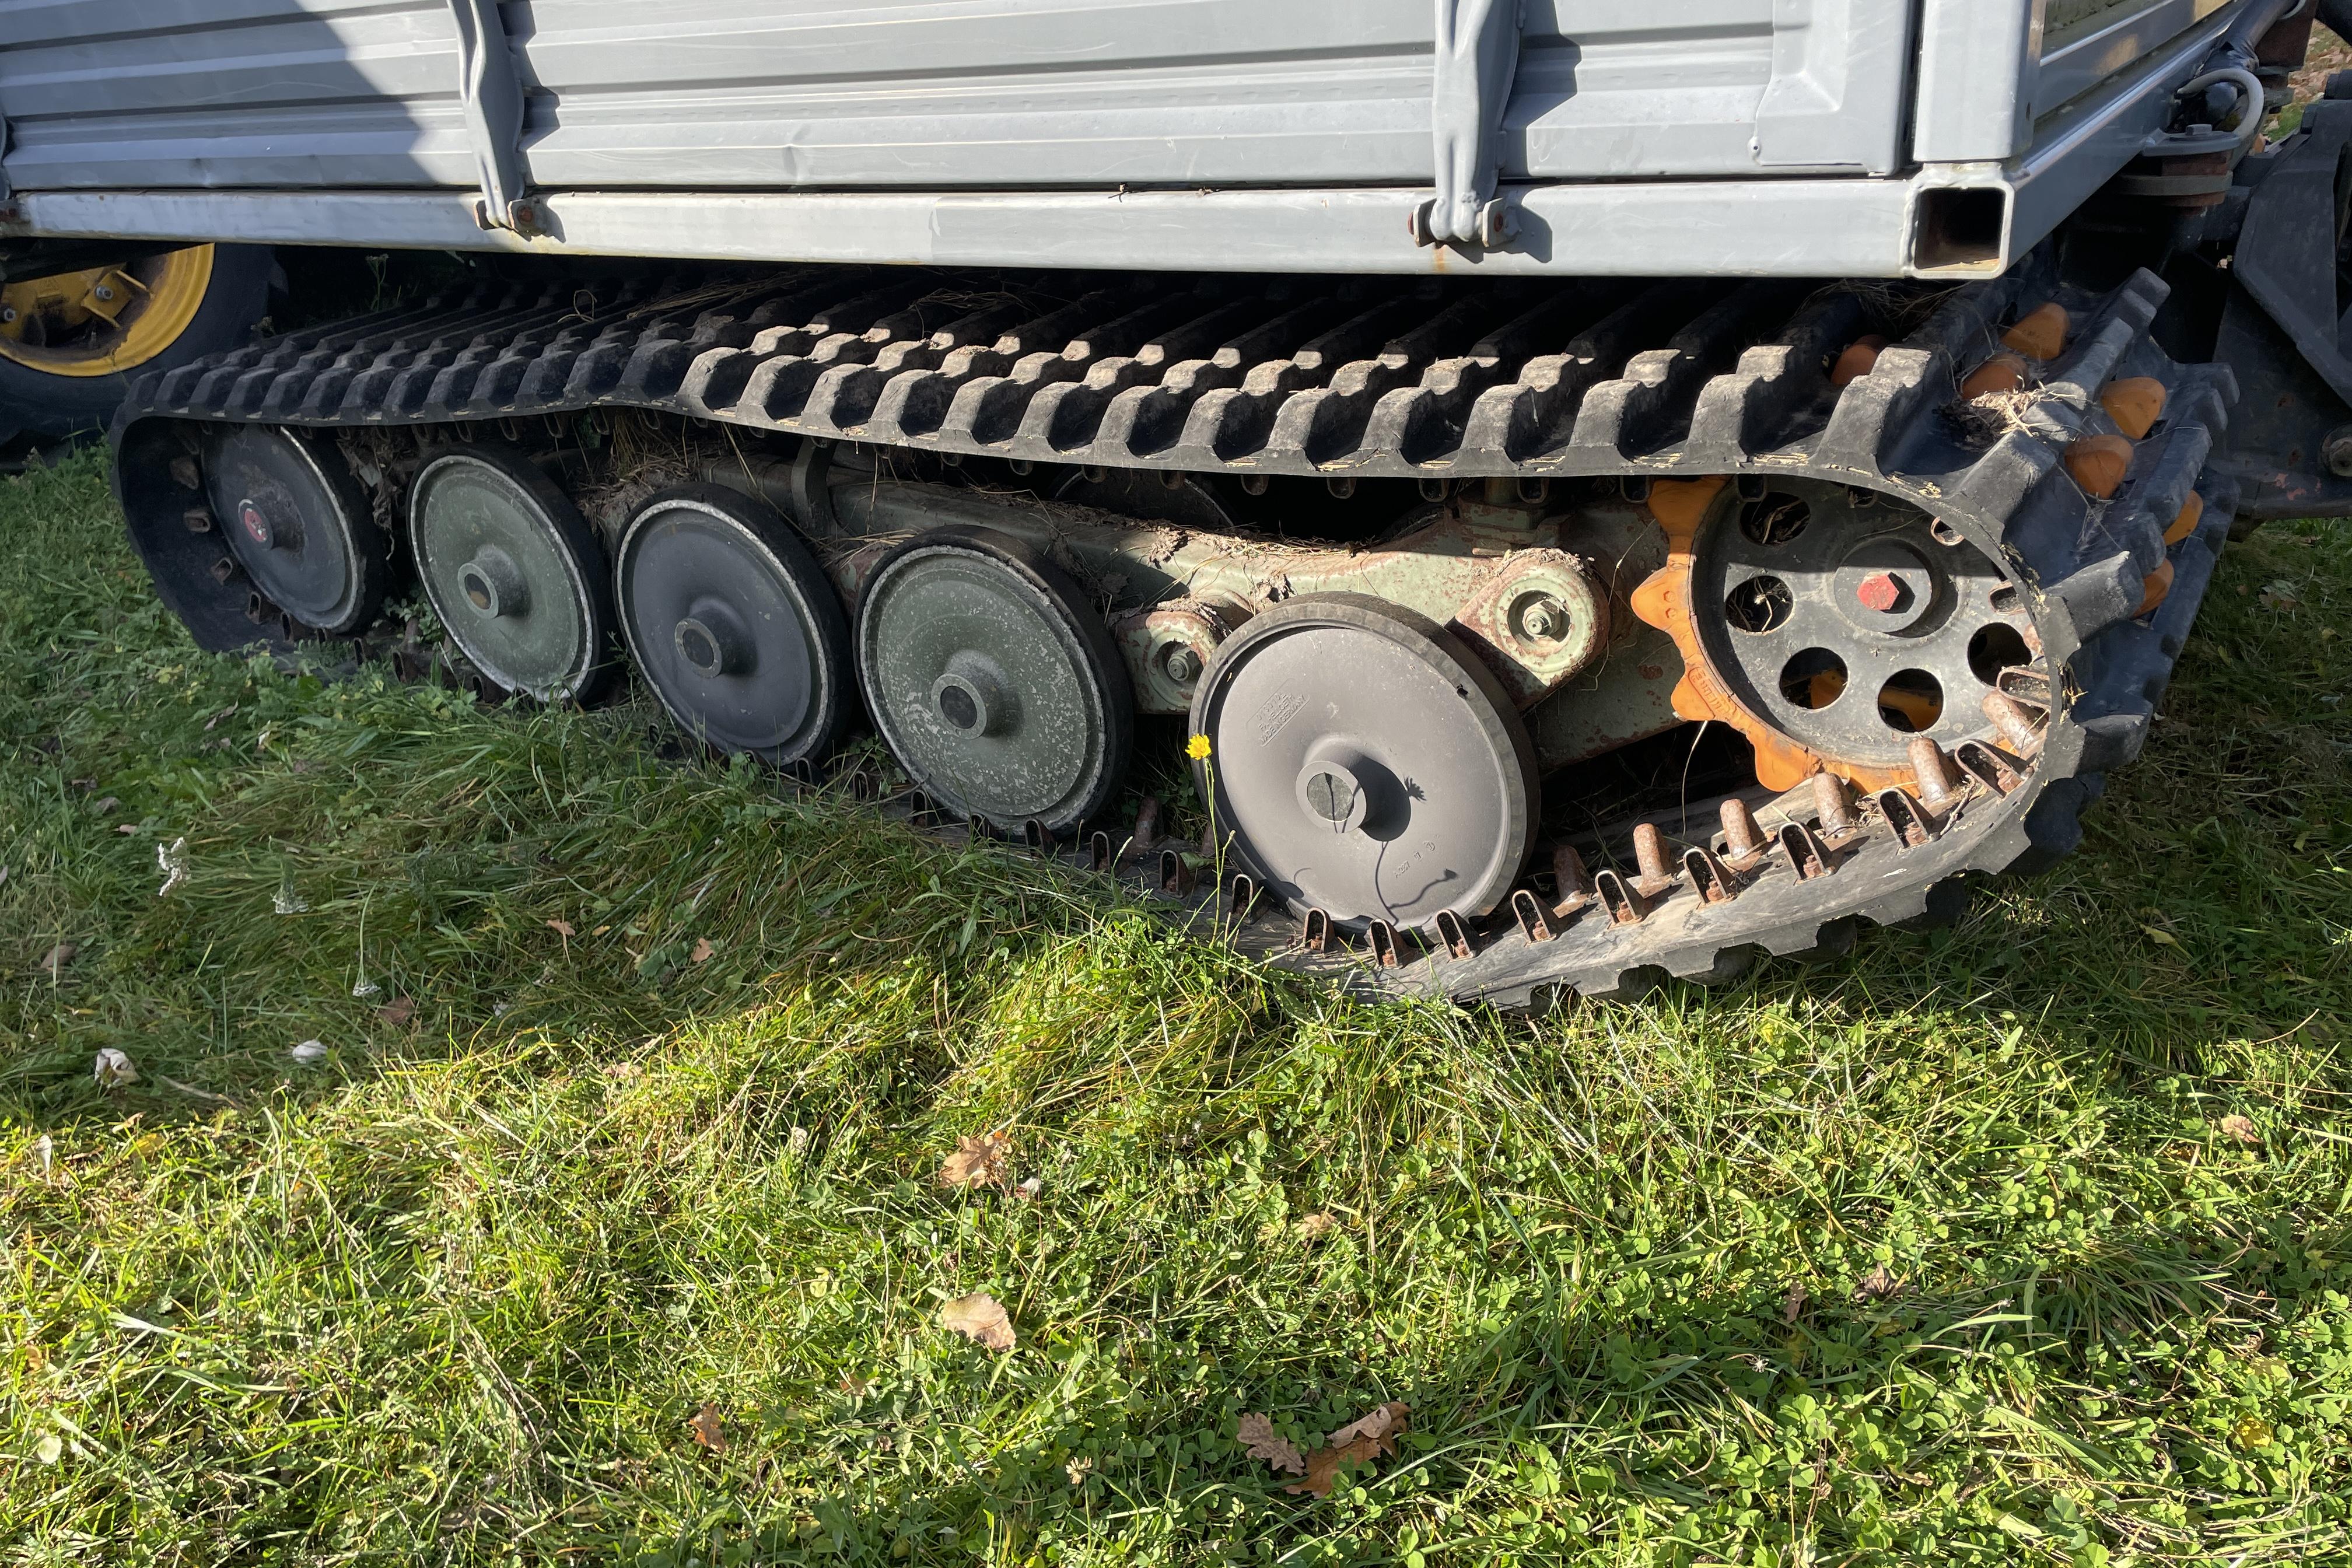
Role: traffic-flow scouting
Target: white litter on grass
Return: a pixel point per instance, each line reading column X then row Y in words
column 172, row 859
column 113, row 1068
column 49, row 1450
column 363, row 986
column 309, row 1051
column 797, row 1141
column 289, row 902
column 47, row 1153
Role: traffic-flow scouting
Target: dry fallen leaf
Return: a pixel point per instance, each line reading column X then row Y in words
column 1260, row 1441
column 2280, row 595
column 977, row 1162
column 563, row 928
column 58, row 957
column 1315, row 1226
column 397, row 1011
column 1792, row 1304
column 707, row 1429
column 1880, row 1284
column 2243, row 1129
column 703, row 949
column 1357, row 1443
column 978, row 1317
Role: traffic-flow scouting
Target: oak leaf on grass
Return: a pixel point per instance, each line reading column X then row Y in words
column 1259, row 1440
column 707, row 1429
column 978, row 1161
column 1360, row 1442
column 2243, row 1129
column 979, row 1317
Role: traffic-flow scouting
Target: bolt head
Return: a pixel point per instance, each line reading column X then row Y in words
column 1882, row 591
column 2335, row 451
column 1181, row 664
column 103, row 292
column 7, row 312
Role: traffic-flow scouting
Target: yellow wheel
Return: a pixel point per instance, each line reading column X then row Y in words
column 70, row 344
column 104, row 320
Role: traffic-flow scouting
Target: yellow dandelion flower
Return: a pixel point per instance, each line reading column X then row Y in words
column 1197, row 748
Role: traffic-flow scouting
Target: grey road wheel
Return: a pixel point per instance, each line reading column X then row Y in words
column 516, row 575
column 993, row 680
column 297, row 521
column 1363, row 762
column 734, row 624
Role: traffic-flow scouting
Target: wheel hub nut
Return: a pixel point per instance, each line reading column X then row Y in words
column 1544, row 620
column 1181, row 664
column 1882, row 592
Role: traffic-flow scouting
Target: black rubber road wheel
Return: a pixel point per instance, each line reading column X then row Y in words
column 296, row 520
column 993, row 680
column 734, row 624
column 516, row 575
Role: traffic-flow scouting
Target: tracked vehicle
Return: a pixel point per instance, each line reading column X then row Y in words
column 1596, row 495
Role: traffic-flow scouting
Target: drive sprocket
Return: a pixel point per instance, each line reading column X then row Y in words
column 1830, row 626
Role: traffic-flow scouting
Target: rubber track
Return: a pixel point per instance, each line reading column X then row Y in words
column 1367, row 378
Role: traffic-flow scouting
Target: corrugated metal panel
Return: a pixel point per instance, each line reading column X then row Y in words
column 1170, row 92
column 935, row 94
column 128, row 93
column 975, row 92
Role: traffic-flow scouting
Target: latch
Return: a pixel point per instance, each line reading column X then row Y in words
column 1477, row 56
column 491, row 89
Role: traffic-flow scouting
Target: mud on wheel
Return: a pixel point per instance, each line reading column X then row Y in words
column 1892, row 576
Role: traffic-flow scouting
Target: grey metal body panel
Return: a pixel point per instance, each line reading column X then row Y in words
column 1746, row 137
column 707, row 94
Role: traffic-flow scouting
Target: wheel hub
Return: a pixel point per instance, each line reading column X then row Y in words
column 970, row 699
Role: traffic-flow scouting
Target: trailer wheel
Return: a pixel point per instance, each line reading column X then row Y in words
column 71, row 344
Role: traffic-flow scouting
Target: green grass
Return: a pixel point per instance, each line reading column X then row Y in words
column 454, row 1293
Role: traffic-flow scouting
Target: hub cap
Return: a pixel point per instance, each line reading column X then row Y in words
column 1366, row 764
column 734, row 624
column 514, row 572
column 993, row 681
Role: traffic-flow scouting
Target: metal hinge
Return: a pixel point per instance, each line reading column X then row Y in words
column 491, row 89
column 1477, row 56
